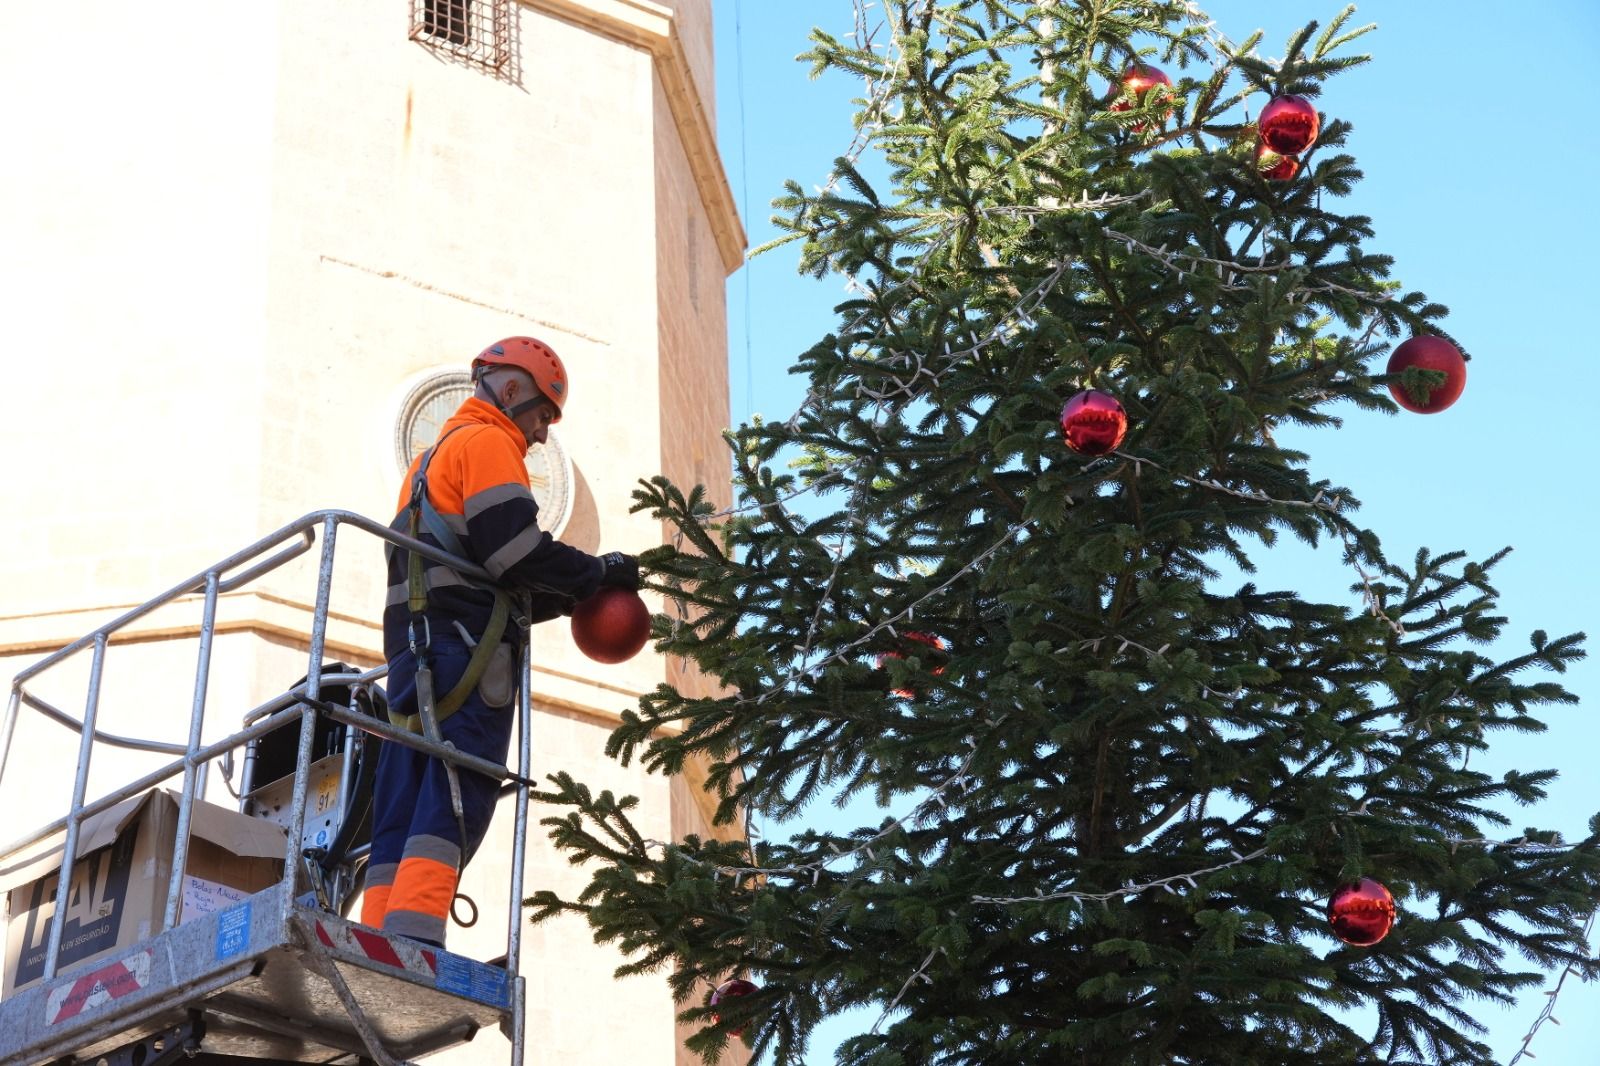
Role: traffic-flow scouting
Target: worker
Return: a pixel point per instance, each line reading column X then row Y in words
column 446, row 633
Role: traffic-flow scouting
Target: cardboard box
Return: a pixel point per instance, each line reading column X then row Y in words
column 119, row 882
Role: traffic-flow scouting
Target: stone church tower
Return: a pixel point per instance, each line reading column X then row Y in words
column 249, row 249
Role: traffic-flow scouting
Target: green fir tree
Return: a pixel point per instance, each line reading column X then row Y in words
column 1129, row 781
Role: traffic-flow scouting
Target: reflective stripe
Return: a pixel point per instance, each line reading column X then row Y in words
column 414, row 925
column 494, row 496
column 512, row 551
column 437, row 849
column 381, row 874
column 438, row 577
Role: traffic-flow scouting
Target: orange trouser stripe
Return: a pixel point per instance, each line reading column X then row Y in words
column 374, row 905
column 423, row 886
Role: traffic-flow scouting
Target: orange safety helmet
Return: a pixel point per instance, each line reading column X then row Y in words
column 536, row 357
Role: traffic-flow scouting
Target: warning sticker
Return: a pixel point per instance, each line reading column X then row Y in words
column 464, row 977
column 233, row 931
column 71, row 998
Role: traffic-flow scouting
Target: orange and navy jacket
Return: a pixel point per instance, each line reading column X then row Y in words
column 478, row 483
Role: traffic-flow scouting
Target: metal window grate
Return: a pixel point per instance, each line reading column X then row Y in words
column 476, row 31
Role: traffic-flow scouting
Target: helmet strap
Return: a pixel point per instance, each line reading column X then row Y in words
column 510, row 412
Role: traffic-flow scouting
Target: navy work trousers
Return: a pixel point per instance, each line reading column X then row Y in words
column 417, row 850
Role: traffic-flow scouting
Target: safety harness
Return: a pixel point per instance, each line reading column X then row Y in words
column 424, row 516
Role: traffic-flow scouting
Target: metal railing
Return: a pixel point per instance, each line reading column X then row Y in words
column 301, row 701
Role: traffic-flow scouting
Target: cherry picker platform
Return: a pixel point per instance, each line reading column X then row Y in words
column 279, row 976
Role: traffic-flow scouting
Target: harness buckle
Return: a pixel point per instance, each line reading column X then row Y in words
column 427, row 637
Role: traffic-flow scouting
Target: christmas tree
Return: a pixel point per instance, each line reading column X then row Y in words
column 995, row 574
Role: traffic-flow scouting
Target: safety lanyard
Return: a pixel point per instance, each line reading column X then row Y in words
column 423, row 515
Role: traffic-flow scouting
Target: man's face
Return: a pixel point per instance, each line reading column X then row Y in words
column 535, row 422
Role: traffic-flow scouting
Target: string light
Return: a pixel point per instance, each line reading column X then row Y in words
column 1548, row 1013
column 1208, row 27
column 922, row 974
column 902, row 615
column 1227, row 268
column 881, row 87
column 1129, row 889
column 1020, row 315
column 813, row 870
column 1329, row 506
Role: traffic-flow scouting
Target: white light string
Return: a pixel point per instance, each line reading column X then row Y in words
column 1170, row 883
column 1330, row 506
column 914, row 273
column 813, row 870
column 1548, row 1013
column 881, row 85
column 920, row 974
column 904, row 614
column 1521, row 843
column 1130, row 888
column 857, row 522
column 1084, row 203
column 1020, row 316
column 1226, row 268
column 880, row 88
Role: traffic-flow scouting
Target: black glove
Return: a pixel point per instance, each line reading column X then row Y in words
column 619, row 571
column 545, row 606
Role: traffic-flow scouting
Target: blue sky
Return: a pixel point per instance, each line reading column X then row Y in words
column 1474, row 126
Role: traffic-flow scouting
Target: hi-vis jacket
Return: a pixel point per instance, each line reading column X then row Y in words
column 479, row 485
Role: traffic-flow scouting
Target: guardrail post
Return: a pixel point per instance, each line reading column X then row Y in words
column 10, row 727
column 519, row 849
column 202, row 675
column 308, row 716
column 91, row 710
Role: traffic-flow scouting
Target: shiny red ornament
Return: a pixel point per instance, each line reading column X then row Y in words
column 738, row 986
column 1094, row 423
column 611, row 626
column 1274, row 166
column 937, row 643
column 1361, row 913
column 1136, row 81
column 1429, row 353
column 1288, row 124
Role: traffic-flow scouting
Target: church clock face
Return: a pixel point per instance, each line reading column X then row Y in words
column 429, row 405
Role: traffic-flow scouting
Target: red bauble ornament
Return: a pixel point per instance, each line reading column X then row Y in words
column 1274, row 166
column 728, row 990
column 1138, row 80
column 1288, row 124
column 1094, row 423
column 936, row 643
column 1429, row 353
column 611, row 626
column 1361, row 913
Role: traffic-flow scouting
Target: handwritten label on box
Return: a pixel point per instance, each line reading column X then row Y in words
column 202, row 897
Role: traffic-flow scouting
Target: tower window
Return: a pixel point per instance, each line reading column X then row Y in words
column 446, row 18
column 477, row 31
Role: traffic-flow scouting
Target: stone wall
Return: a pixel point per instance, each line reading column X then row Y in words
column 249, row 230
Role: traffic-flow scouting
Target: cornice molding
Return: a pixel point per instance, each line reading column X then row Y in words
column 652, row 27
column 354, row 640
